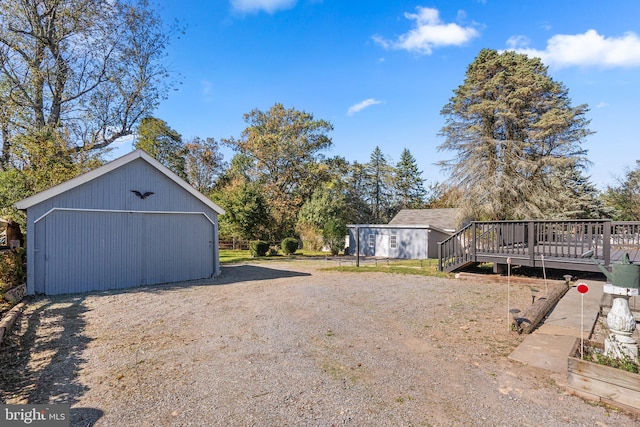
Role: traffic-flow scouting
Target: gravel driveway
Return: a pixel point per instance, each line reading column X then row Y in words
column 287, row 344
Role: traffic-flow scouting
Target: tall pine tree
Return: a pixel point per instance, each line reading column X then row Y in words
column 379, row 177
column 512, row 128
column 409, row 184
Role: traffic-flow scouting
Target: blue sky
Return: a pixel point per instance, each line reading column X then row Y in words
column 380, row 71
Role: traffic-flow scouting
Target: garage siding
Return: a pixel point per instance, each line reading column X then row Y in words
column 113, row 191
column 114, row 250
column 97, row 234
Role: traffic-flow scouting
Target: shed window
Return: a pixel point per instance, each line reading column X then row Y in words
column 393, row 241
column 372, row 240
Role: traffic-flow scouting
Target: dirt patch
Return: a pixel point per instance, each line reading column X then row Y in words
column 287, row 344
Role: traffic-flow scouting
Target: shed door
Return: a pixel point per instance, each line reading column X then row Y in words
column 89, row 250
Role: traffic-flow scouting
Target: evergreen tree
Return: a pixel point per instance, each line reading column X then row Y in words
column 512, row 128
column 379, row 177
column 582, row 200
column 409, row 184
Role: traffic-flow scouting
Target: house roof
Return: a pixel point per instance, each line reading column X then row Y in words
column 444, row 219
column 102, row 170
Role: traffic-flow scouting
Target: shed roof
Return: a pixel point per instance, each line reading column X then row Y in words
column 444, row 218
column 398, row 227
column 115, row 164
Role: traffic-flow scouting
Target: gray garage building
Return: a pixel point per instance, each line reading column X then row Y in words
column 129, row 223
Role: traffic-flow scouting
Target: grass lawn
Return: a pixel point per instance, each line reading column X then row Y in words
column 231, row 256
column 427, row 267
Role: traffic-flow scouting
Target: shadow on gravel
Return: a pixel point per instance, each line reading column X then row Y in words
column 38, row 368
column 230, row 274
column 244, row 273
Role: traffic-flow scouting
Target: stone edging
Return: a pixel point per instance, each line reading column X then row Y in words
column 9, row 319
column 15, row 294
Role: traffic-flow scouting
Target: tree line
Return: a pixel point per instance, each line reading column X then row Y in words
column 77, row 75
column 279, row 182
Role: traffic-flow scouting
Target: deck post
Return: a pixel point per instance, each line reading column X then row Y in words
column 473, row 241
column 606, row 242
column 531, row 243
column 357, row 246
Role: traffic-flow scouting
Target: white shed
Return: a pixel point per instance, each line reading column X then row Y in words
column 411, row 234
column 129, row 223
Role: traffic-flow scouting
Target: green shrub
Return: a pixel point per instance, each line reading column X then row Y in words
column 289, row 245
column 258, row 248
column 334, row 234
column 11, row 268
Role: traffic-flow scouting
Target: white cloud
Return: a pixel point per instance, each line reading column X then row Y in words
column 362, row 105
column 585, row 50
column 429, row 32
column 518, row 42
column 602, row 104
column 268, row 6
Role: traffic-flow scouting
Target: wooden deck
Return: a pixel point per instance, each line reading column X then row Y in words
column 557, row 244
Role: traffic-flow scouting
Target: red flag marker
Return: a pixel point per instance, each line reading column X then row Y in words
column 583, row 289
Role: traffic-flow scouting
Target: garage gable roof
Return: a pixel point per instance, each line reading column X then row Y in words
column 115, row 164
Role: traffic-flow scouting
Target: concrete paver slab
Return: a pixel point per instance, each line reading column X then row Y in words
column 549, row 346
column 567, row 313
column 544, row 351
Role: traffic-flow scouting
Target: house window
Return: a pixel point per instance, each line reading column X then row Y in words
column 393, row 241
column 372, row 240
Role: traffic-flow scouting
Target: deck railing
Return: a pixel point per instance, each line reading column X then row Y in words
column 457, row 249
column 625, row 234
column 528, row 242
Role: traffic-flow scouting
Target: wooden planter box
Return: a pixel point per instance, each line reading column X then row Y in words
column 602, row 383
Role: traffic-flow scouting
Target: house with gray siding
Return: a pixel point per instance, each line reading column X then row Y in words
column 131, row 222
column 411, row 234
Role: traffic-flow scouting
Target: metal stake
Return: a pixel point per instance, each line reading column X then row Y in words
column 544, row 274
column 508, row 293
